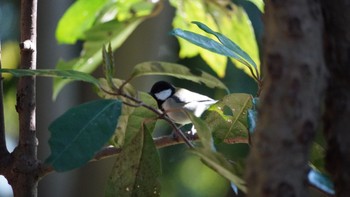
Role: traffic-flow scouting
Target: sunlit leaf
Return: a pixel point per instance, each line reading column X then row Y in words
column 80, row 132
column 54, row 73
column 259, row 4
column 243, row 56
column 113, row 32
column 233, row 23
column 230, row 126
column 77, row 19
column 317, row 155
column 178, row 71
column 10, row 56
column 136, row 168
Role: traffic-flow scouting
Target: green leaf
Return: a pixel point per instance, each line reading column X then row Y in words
column 118, row 139
column 211, row 158
column 230, row 126
column 219, row 163
column 205, row 42
column 244, row 57
column 259, row 4
column 211, row 45
column 203, row 132
column 113, row 32
column 63, row 74
column 80, row 132
column 321, row 181
column 109, row 66
column 136, row 169
column 178, row 71
column 133, row 119
column 233, row 23
column 77, row 19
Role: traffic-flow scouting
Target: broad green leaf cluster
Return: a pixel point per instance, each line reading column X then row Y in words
column 125, row 118
column 121, row 119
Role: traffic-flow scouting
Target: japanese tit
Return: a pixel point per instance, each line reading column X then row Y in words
column 174, row 102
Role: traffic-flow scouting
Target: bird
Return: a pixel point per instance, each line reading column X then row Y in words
column 175, row 102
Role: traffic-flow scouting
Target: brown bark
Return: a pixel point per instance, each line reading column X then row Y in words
column 22, row 165
column 291, row 100
column 337, row 113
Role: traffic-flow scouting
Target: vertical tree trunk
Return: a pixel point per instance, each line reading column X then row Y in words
column 337, row 113
column 291, row 100
column 23, row 171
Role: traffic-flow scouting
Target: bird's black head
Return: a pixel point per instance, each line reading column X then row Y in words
column 161, row 91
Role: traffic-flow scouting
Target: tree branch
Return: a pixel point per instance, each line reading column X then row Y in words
column 22, row 175
column 110, row 151
column 161, row 114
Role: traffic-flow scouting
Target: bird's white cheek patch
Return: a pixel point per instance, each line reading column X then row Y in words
column 163, row 94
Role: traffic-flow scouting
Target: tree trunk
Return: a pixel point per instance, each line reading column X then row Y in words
column 291, row 100
column 337, row 113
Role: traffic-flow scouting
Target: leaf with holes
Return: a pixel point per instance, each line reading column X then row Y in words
column 136, row 168
column 228, row 118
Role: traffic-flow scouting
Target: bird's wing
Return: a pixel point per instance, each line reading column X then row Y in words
column 191, row 96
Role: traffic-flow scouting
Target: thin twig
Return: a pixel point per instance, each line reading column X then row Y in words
column 110, row 151
column 3, row 148
column 161, row 114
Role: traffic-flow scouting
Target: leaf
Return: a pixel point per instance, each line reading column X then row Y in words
column 209, row 155
column 321, row 181
column 258, row 3
column 219, row 164
column 178, row 71
column 205, row 42
column 136, row 169
column 64, row 74
column 72, row 26
column 233, row 23
column 210, row 44
column 113, row 32
column 108, row 65
column 127, row 89
column 118, row 139
column 133, row 120
column 232, row 126
column 244, row 57
column 80, row 132
column 203, row 132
